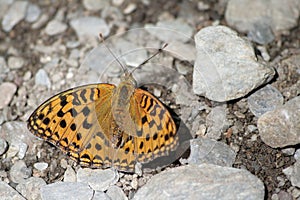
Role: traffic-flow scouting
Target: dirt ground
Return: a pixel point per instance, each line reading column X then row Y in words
column 261, row 160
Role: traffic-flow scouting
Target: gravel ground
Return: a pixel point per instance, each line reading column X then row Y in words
column 230, row 76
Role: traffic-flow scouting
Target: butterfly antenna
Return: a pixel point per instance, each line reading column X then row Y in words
column 147, row 60
column 115, row 57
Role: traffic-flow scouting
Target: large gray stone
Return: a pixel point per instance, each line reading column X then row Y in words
column 226, row 67
column 202, row 182
column 7, row 192
column 66, row 190
column 243, row 15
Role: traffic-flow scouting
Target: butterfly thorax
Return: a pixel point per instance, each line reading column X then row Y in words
column 121, row 108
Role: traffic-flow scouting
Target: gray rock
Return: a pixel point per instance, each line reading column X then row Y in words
column 41, row 166
column 8, row 192
column 261, row 33
column 97, row 179
column 22, row 150
column 202, row 182
column 16, row 134
column 42, row 78
column 264, row 53
column 243, row 16
column 30, row 188
column 204, row 150
column 66, row 190
column 41, row 21
column 264, row 100
column 95, row 5
column 3, row 65
column 297, row 155
column 284, row 195
column 98, row 195
column 130, row 8
column 9, row 90
column 89, row 27
column 117, row 2
column 181, row 51
column 116, row 193
column 55, row 27
column 293, row 173
column 171, row 30
column 14, row 15
column 4, row 6
column 3, row 69
column 104, row 65
column 288, row 151
column 3, row 146
column 69, row 175
column 216, row 122
column 15, row 62
column 131, row 53
column 19, row 172
column 226, row 67
column 33, row 13
column 281, row 127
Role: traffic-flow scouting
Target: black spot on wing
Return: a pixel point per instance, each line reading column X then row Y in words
column 86, row 124
column 73, row 127
column 63, row 100
column 75, row 101
column 41, row 116
column 150, row 105
column 82, row 95
column 60, row 113
column 86, row 111
column 63, row 123
column 46, row 121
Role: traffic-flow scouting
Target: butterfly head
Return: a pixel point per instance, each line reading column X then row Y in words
column 127, row 78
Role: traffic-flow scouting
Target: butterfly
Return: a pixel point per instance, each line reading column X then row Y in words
column 103, row 125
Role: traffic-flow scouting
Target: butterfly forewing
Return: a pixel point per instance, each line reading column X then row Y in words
column 69, row 120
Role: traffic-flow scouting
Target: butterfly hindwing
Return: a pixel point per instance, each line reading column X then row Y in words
column 155, row 129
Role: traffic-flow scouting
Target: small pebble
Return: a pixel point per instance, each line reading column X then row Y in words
column 33, row 13
column 15, row 62
column 14, row 15
column 55, row 27
column 3, row 146
column 117, row 2
column 42, row 78
column 19, row 172
column 22, row 150
column 115, row 192
column 264, row 100
column 95, row 5
column 130, row 8
column 9, row 89
column 41, row 166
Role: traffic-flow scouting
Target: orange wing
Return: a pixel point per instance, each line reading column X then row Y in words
column 69, row 120
column 155, row 133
